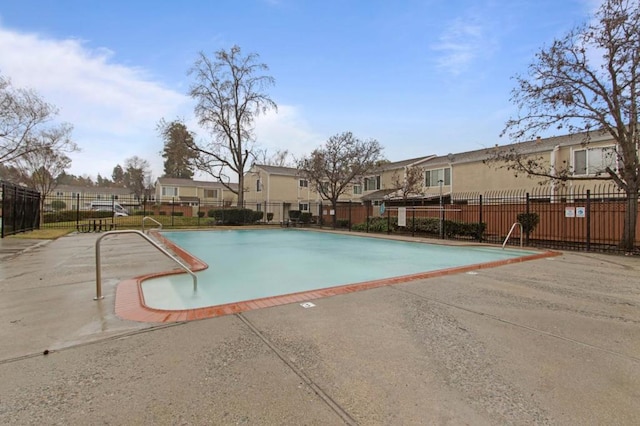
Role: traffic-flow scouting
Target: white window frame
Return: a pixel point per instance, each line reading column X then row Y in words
column 166, row 191
column 432, row 177
column 303, row 207
column 593, row 158
column 258, row 185
column 357, row 189
column 213, row 191
column 303, row 183
column 375, row 180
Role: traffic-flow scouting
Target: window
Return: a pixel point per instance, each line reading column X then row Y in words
column 59, row 194
column 592, row 161
column 304, row 183
column 259, row 207
column 210, row 193
column 433, row 177
column 372, row 183
column 258, row 185
column 303, row 207
column 169, row 191
column 357, row 189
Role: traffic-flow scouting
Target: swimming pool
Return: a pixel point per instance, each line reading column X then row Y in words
column 257, row 264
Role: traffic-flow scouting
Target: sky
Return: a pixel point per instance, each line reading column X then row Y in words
column 420, row 76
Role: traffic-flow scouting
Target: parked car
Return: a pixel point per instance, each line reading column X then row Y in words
column 107, row 206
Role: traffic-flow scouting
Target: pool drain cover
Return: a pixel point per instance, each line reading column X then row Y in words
column 307, row 305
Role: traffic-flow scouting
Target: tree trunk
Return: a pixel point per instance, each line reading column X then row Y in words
column 41, row 218
column 630, row 219
column 334, row 219
column 240, row 190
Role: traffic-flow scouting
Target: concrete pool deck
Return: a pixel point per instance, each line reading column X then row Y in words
column 549, row 341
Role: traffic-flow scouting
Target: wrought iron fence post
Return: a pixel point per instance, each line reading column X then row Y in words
column 78, row 211
column 349, row 215
column 480, row 218
column 526, row 235
column 587, row 215
column 388, row 221
column 413, row 221
column 173, row 209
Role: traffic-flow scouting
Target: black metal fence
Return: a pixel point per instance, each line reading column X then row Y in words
column 20, row 209
column 573, row 218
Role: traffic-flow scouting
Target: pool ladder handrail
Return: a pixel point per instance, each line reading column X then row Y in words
column 153, row 243
column 151, row 219
column 511, row 231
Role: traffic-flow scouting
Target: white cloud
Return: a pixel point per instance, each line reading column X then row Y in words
column 113, row 108
column 460, row 44
column 286, row 130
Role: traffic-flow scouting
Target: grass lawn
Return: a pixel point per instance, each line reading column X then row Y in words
column 42, row 234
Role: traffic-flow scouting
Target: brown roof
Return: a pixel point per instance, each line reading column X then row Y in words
column 191, row 182
column 278, row 170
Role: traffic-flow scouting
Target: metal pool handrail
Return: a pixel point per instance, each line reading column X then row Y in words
column 153, row 243
column 151, row 219
column 511, row 230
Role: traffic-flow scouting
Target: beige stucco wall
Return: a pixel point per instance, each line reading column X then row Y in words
column 480, row 177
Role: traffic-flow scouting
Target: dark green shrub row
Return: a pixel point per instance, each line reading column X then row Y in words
column 142, row 213
column 294, row 214
column 377, row 224
column 269, row 217
column 425, row 225
column 236, row 216
column 305, row 217
column 72, row 215
column 342, row 223
column 177, row 213
column 529, row 221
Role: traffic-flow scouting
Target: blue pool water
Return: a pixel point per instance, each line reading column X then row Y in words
column 252, row 264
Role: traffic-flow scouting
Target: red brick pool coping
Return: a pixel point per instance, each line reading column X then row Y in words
column 130, row 303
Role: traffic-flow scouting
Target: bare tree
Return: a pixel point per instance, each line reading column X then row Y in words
column 586, row 82
column 333, row 167
column 230, row 93
column 136, row 174
column 46, row 161
column 409, row 183
column 280, row 158
column 23, row 113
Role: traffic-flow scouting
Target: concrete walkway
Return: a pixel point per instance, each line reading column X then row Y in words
column 552, row 341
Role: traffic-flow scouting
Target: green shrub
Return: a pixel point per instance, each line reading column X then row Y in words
column 377, row 224
column 342, row 223
column 177, row 213
column 428, row 225
column 235, row 216
column 72, row 215
column 305, row 217
column 162, row 213
column 294, row 214
column 529, row 221
column 269, row 217
column 200, row 213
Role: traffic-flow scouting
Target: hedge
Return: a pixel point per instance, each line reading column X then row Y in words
column 72, row 215
column 235, row 216
column 425, row 225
